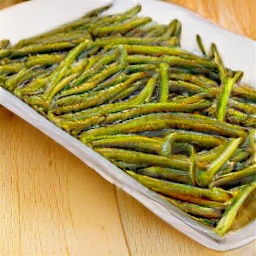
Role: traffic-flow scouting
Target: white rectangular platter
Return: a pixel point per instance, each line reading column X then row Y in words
column 37, row 16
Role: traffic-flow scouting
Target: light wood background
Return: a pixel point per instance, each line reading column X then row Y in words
column 52, row 204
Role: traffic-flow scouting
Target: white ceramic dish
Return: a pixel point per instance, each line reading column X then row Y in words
column 37, row 16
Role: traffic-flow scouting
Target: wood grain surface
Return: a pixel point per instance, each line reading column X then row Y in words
column 52, row 204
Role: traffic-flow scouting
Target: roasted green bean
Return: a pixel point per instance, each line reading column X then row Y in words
column 181, row 124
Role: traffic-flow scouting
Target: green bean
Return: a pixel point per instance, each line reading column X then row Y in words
column 141, row 59
column 5, row 53
column 193, row 166
column 83, row 102
column 130, row 112
column 143, row 96
column 237, row 116
column 121, row 28
column 228, row 166
column 5, row 61
column 154, row 34
column 203, row 202
column 181, row 148
column 174, row 28
column 200, row 139
column 35, row 86
column 200, row 66
column 195, row 138
column 75, row 36
column 152, row 30
column 250, row 121
column 164, row 89
column 38, row 85
column 133, row 111
column 44, row 60
column 133, row 142
column 111, row 40
column 170, row 42
column 227, row 82
column 205, row 177
column 129, row 156
column 101, row 61
column 139, row 67
column 178, row 190
column 200, row 45
column 240, row 155
column 208, row 125
column 240, row 118
column 63, row 68
column 173, row 61
column 125, row 95
column 71, row 99
column 94, row 81
column 111, row 81
column 198, row 80
column 117, row 18
column 191, row 99
column 162, row 50
column 210, row 155
column 160, row 121
column 52, row 81
column 225, row 169
column 11, row 68
column 165, row 174
column 97, row 11
column 191, row 152
column 62, row 29
column 252, row 139
column 128, row 166
column 234, row 177
column 105, row 108
column 22, row 76
column 181, row 86
column 245, row 107
column 41, row 48
column 230, row 213
column 62, row 84
column 2, row 81
column 4, row 44
column 234, row 106
column 85, row 22
column 244, row 92
column 37, row 102
column 195, row 209
column 210, row 223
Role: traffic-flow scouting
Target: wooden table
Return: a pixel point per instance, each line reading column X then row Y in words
column 53, row 204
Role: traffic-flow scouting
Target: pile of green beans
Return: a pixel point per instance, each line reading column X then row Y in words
column 181, row 124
